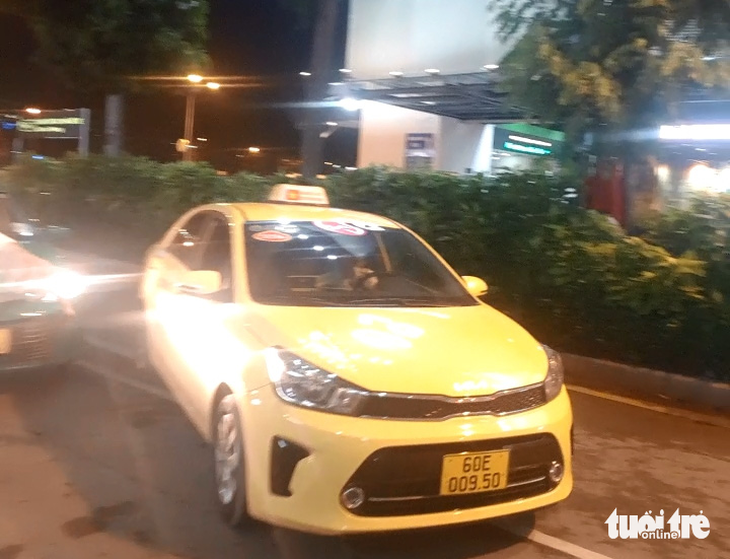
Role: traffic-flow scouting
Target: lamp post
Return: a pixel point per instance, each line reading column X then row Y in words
column 194, row 79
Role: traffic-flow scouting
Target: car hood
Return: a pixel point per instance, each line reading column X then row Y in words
column 456, row 351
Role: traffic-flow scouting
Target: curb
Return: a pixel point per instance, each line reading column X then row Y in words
column 647, row 384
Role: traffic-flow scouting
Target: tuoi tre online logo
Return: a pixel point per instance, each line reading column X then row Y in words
column 647, row 527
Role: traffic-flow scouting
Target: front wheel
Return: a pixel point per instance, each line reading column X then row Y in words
column 228, row 458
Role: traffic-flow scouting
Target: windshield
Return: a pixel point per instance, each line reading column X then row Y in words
column 331, row 263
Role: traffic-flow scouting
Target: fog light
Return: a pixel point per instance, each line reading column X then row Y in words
column 555, row 473
column 352, row 497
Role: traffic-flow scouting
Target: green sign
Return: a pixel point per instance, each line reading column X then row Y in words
column 64, row 124
column 522, row 148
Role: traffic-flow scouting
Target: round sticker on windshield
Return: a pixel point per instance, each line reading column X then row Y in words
column 341, row 228
column 272, row 236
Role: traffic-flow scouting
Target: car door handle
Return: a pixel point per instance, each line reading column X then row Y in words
column 187, row 289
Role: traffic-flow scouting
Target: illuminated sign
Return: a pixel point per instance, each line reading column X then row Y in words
column 64, row 124
column 533, row 150
column 528, row 139
column 697, row 132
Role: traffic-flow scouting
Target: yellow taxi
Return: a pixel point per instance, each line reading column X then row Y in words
column 347, row 378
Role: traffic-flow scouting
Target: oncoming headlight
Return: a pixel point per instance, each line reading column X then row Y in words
column 61, row 284
column 555, row 376
column 303, row 384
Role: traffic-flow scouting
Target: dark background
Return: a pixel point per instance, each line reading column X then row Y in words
column 246, row 37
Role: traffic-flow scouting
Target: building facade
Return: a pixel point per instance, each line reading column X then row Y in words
column 426, row 75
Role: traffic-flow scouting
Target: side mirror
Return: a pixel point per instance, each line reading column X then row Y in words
column 199, row 282
column 475, row 286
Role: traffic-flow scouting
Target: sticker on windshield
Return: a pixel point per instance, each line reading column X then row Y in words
column 272, row 236
column 341, row 228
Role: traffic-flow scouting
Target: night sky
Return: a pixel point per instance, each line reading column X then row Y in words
column 246, row 37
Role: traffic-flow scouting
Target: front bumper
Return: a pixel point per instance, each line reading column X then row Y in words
column 397, row 463
column 40, row 337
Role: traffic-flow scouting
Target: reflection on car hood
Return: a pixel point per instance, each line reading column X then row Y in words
column 455, row 351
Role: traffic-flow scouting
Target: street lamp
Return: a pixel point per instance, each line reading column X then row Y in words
column 195, row 79
column 33, row 111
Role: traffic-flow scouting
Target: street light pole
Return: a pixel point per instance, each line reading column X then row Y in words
column 187, row 155
column 188, row 135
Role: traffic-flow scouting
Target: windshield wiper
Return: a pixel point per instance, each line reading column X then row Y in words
column 395, row 301
column 300, row 300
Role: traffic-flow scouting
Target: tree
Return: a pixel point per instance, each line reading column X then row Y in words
column 96, row 45
column 613, row 66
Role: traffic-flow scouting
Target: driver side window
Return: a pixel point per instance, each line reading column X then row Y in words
column 187, row 246
column 216, row 256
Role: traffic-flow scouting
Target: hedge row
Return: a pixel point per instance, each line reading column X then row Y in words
column 569, row 275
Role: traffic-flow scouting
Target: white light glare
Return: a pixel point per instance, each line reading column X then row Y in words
column 695, row 132
column 350, row 104
column 701, row 177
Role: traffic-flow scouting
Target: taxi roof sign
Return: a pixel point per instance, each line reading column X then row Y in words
column 299, row 194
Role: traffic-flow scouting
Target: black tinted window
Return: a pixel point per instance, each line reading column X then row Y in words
column 321, row 264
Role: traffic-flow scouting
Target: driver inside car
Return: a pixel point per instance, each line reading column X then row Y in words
column 352, row 274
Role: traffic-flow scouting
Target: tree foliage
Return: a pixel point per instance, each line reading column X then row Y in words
column 614, row 64
column 96, row 44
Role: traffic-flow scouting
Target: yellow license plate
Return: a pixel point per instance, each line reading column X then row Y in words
column 474, row 472
column 6, row 340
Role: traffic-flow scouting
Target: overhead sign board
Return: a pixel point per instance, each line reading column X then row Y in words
column 63, row 124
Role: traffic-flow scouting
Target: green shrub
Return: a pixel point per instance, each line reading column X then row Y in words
column 573, row 278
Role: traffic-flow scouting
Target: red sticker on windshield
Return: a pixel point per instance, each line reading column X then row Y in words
column 272, row 236
column 340, row 227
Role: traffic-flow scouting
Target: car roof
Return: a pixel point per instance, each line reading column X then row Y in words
column 301, row 212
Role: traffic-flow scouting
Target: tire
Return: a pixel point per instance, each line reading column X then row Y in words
column 229, row 462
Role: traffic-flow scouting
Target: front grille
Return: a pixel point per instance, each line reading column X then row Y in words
column 32, row 341
column 405, row 480
column 402, row 406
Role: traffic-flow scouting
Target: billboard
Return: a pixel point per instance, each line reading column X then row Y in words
column 66, row 124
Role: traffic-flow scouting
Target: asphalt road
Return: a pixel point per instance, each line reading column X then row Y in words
column 100, row 462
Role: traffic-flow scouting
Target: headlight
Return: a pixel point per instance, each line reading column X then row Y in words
column 303, row 384
column 554, row 379
column 62, row 284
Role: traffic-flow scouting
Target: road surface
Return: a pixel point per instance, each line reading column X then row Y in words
column 100, row 462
